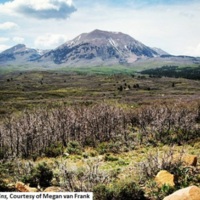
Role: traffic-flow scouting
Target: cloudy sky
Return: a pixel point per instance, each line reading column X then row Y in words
column 172, row 25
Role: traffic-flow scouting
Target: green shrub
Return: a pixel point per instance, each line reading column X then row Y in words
column 102, row 192
column 187, row 176
column 129, row 191
column 125, row 191
column 93, row 153
column 109, row 147
column 111, row 158
column 74, row 147
column 102, row 148
column 4, row 187
column 114, row 147
column 155, row 192
column 85, row 155
column 89, row 141
column 121, row 162
column 39, row 175
column 54, row 150
column 6, row 170
column 90, row 154
column 3, row 152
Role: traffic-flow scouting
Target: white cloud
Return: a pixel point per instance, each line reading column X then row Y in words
column 193, row 50
column 41, row 9
column 8, row 26
column 50, row 40
column 18, row 39
column 4, row 39
column 3, row 47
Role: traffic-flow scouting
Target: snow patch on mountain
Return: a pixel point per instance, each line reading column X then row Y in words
column 113, row 43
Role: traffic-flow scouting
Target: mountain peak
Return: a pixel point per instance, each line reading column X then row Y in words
column 101, row 33
column 100, row 47
column 20, row 53
column 20, row 46
column 14, row 48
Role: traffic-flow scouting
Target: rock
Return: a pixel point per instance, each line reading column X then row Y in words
column 53, row 189
column 190, row 160
column 66, row 154
column 164, row 177
column 21, row 187
column 189, row 193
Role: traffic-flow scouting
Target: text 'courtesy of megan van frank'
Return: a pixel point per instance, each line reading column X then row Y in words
column 46, row 196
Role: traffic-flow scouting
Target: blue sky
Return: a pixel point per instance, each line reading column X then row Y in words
column 172, row 25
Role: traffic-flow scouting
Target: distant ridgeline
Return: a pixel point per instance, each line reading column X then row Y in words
column 174, row 71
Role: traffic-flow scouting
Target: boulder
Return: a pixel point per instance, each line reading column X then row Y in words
column 21, row 187
column 53, row 189
column 164, row 178
column 189, row 193
column 190, row 160
column 187, row 159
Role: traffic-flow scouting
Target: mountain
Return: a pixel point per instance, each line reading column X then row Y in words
column 20, row 54
column 99, row 48
column 160, row 51
column 96, row 48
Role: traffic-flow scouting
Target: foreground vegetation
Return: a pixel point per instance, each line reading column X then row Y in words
column 49, row 131
column 106, row 134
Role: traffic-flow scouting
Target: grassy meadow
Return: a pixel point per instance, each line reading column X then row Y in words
column 20, row 90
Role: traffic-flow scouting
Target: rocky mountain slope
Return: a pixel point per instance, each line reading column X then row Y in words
column 160, row 51
column 99, row 48
column 20, row 54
